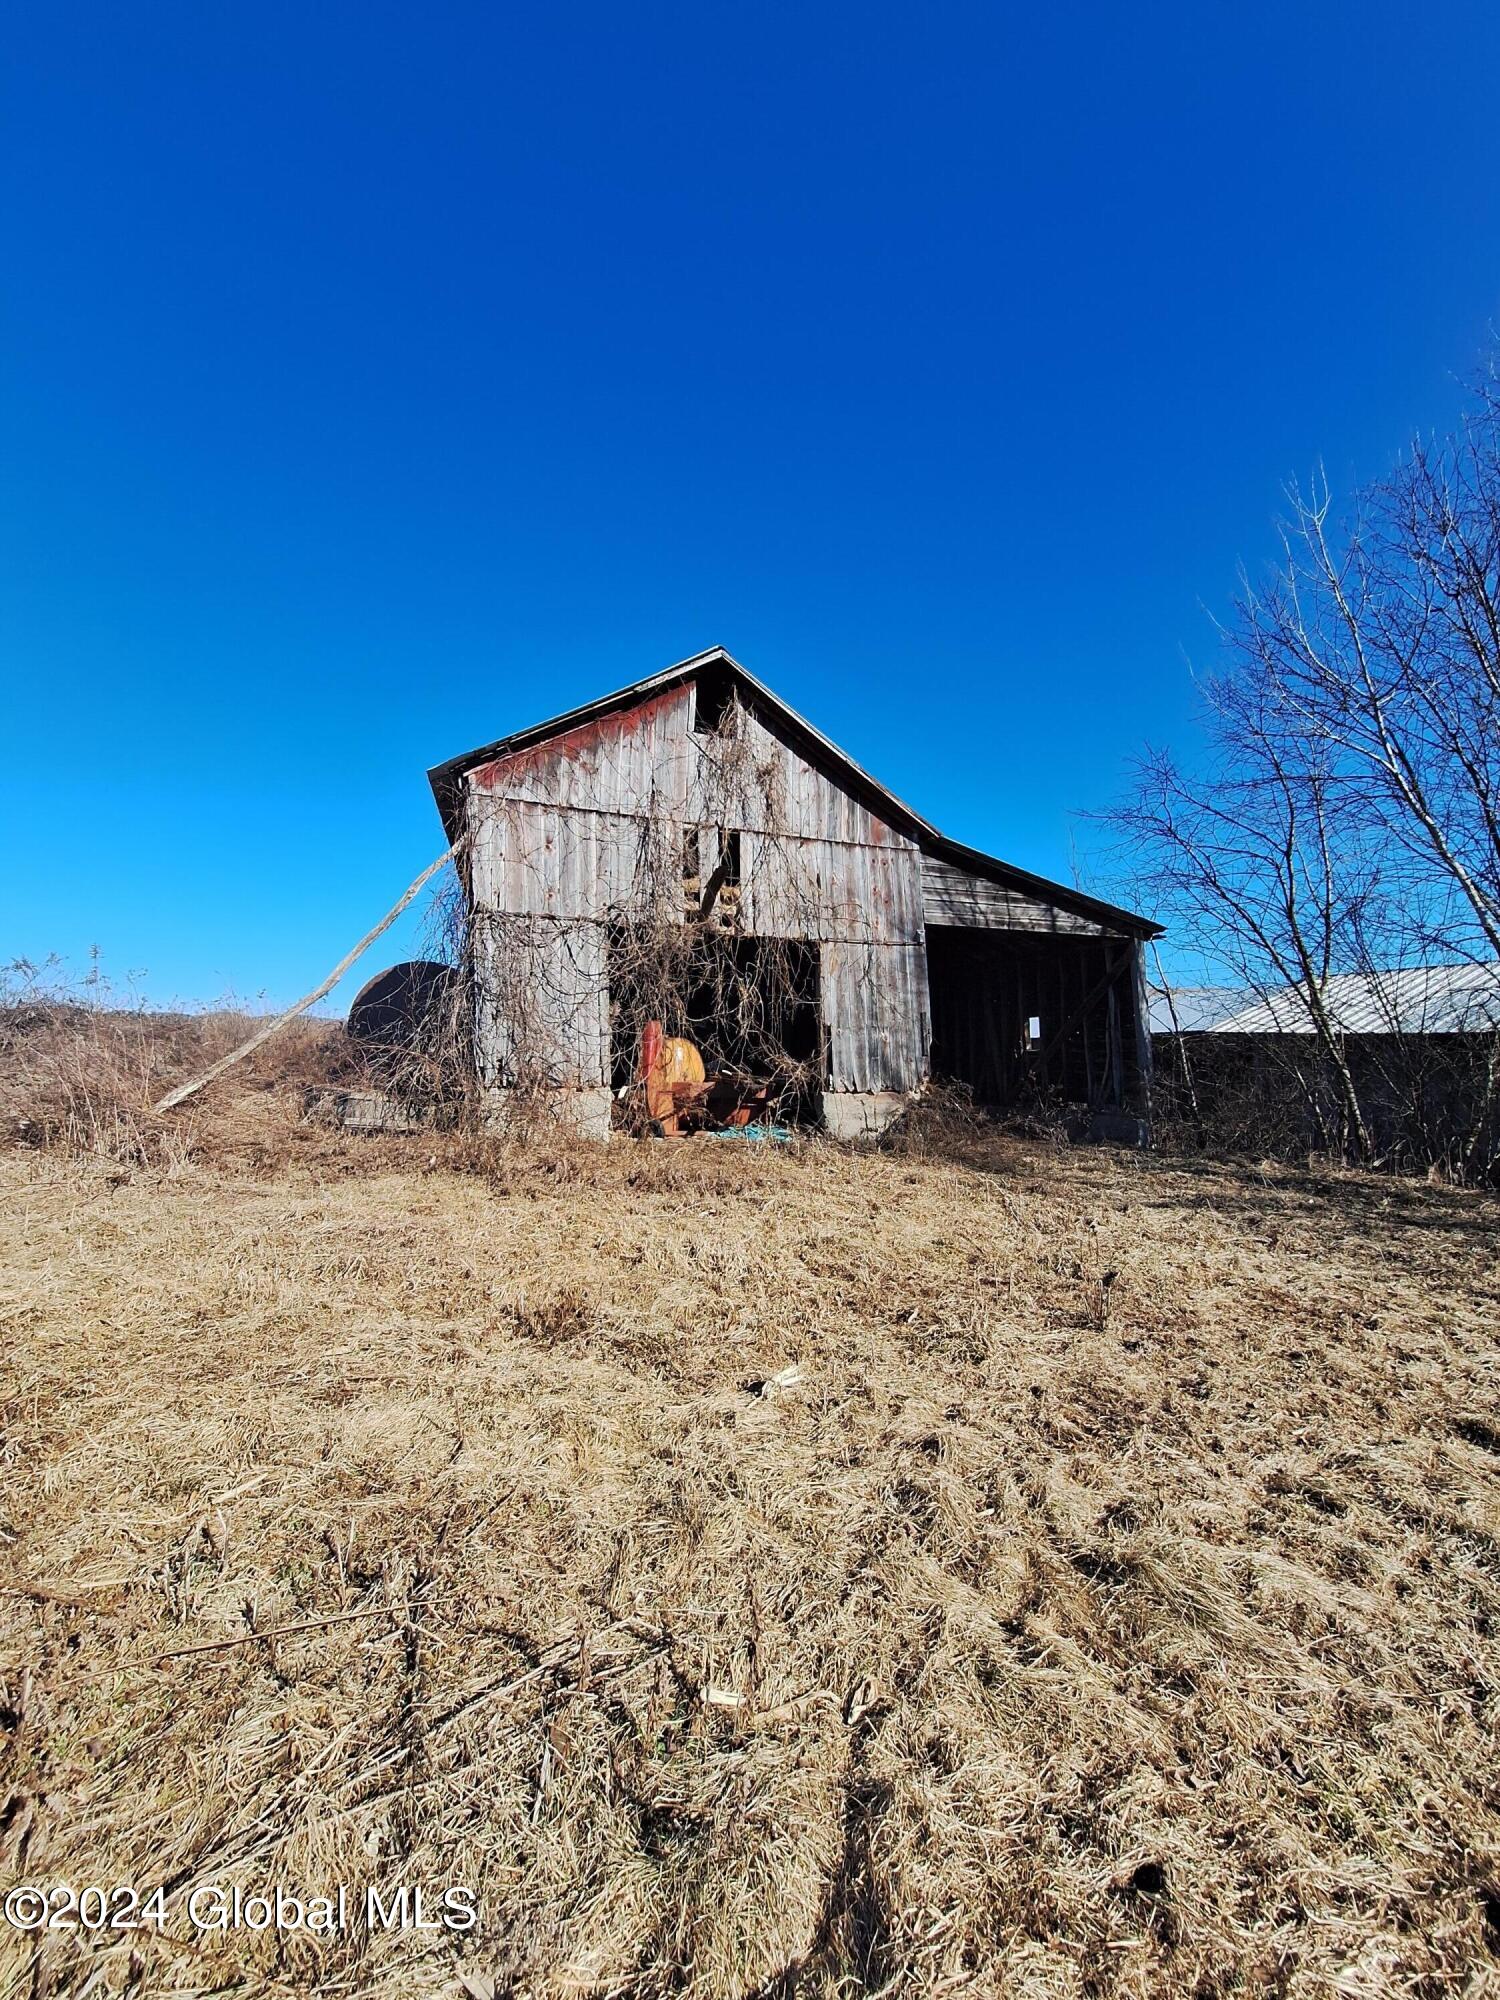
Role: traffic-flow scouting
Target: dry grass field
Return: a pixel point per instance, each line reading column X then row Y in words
column 1035, row 1573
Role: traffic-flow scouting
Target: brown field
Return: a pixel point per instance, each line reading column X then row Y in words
column 1047, row 1635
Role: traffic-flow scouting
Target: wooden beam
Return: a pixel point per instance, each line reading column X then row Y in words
column 263, row 1034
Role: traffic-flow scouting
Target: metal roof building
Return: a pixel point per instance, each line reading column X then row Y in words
column 1409, row 1000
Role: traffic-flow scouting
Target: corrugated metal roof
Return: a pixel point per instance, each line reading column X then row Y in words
column 1409, row 1000
column 1197, row 1008
column 446, row 779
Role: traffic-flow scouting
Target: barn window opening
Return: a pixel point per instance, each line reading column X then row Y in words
column 713, row 704
column 1018, row 1017
column 720, row 894
column 692, row 868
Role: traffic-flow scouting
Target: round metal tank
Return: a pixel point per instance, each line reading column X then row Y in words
column 407, row 1007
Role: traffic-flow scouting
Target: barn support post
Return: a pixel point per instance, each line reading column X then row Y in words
column 1143, row 1054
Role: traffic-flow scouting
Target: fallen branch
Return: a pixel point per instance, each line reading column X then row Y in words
column 550, row 1659
column 277, row 1632
column 264, row 1034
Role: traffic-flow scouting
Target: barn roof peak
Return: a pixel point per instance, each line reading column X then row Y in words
column 445, row 778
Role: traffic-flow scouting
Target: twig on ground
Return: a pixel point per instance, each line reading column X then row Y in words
column 277, row 1632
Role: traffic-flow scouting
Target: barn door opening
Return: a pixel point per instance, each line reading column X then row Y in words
column 750, row 1006
column 1018, row 1018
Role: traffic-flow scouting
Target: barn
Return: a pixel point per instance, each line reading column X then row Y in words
column 814, row 925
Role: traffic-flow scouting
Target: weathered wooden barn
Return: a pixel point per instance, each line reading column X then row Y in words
column 915, row 956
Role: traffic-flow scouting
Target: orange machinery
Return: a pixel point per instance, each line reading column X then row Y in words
column 681, row 1097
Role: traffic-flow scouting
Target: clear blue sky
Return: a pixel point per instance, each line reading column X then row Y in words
column 376, row 380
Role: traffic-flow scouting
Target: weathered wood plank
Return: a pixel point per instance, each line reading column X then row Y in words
column 875, row 1011
column 542, row 1013
column 831, row 890
column 951, row 895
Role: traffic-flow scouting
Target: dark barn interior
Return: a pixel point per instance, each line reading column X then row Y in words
column 1018, row 1018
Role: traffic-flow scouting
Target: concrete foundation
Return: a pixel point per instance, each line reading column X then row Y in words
column 584, row 1113
column 1107, row 1127
column 851, row 1114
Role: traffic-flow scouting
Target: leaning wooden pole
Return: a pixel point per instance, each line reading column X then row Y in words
column 265, row 1032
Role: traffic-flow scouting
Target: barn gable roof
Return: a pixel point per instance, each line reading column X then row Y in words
column 446, row 780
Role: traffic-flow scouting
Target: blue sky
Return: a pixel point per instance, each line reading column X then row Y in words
column 374, row 380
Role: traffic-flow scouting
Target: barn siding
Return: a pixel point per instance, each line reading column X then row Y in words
column 637, row 762
column 780, row 792
column 541, row 860
column 647, row 761
column 875, row 1011
column 826, row 889
column 543, row 1018
column 951, row 895
column 588, row 827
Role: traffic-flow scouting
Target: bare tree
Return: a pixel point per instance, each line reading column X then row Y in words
column 1248, row 863
column 1346, row 816
column 1382, row 644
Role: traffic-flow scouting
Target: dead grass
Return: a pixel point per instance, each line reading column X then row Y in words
column 1046, row 1636
column 82, row 1078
